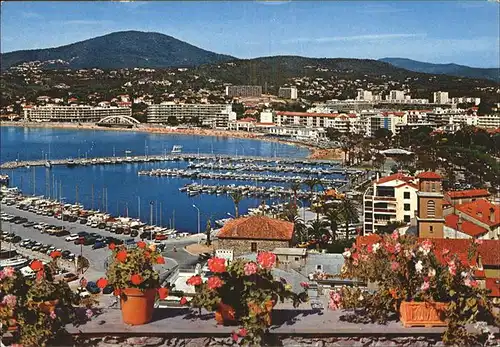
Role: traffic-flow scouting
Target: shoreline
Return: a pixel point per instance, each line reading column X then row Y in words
column 314, row 152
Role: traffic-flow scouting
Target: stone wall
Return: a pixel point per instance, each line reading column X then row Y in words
column 271, row 340
column 241, row 247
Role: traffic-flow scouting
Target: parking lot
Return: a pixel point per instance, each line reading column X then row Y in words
column 96, row 257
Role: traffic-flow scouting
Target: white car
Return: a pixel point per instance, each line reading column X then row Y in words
column 72, row 237
column 40, row 226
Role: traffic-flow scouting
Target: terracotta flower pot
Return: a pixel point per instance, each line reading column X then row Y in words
column 428, row 314
column 225, row 314
column 137, row 306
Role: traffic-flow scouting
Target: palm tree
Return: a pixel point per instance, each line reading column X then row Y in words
column 295, row 187
column 237, row 196
column 311, row 183
column 334, row 218
column 299, row 230
column 349, row 214
column 318, row 228
column 289, row 212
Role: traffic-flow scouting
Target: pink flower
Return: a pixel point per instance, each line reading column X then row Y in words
column 53, row 315
column 394, row 265
column 235, row 337
column 398, row 247
column 214, row 282
column 478, row 242
column 304, row 284
column 470, row 283
column 452, row 268
column 242, row 332
column 395, row 235
column 425, row 286
column 250, row 268
column 9, row 300
column 369, row 248
column 335, row 301
column 266, row 259
column 9, row 271
column 89, row 313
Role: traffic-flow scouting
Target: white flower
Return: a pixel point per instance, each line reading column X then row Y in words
column 375, row 247
column 347, row 254
column 361, row 298
column 432, row 272
column 464, row 274
column 419, row 266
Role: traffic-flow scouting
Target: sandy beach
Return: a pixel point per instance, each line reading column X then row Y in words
column 314, row 152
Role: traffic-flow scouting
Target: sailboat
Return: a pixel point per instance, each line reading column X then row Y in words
column 176, row 149
column 48, row 164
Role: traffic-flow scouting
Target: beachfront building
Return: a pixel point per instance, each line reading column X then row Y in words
column 340, row 121
column 211, row 115
column 288, row 93
column 389, row 199
column 72, row 113
column 244, row 91
column 491, row 121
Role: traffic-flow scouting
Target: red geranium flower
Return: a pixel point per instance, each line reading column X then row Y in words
column 141, row 244
column 36, row 265
column 235, row 337
column 163, row 293
column 242, row 332
column 266, row 259
column 117, row 292
column 194, row 281
column 217, row 264
column 55, row 254
column 102, row 282
column 183, row 301
column 160, row 260
column 136, row 279
column 147, row 254
column 121, row 256
column 40, row 274
column 214, row 282
column 112, row 246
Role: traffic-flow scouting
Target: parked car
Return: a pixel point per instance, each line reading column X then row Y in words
column 82, row 233
column 89, row 241
column 98, row 244
column 21, row 220
column 28, row 224
column 93, row 288
column 72, row 237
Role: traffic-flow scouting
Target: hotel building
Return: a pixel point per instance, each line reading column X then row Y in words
column 73, row 113
column 212, row 115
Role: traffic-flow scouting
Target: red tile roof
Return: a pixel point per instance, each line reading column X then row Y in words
column 481, row 210
column 467, row 227
column 257, row 228
column 429, row 175
column 470, row 193
column 248, row 119
column 488, row 249
column 397, row 176
column 314, row 114
column 493, row 284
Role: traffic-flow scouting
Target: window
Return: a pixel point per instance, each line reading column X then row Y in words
column 319, row 267
column 433, row 186
column 431, row 208
column 297, row 258
column 406, row 218
column 254, row 246
column 431, row 228
column 406, row 195
column 407, row 207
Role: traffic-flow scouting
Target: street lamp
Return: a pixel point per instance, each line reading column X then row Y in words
column 198, row 217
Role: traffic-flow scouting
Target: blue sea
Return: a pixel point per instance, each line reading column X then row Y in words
column 118, row 188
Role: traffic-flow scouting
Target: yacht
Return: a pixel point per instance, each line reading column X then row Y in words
column 176, row 149
column 48, row 164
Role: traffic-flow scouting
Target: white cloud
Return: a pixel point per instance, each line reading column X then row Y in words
column 370, row 37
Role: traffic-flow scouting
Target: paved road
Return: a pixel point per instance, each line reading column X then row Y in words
column 96, row 257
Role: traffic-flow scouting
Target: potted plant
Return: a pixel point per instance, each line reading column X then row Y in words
column 36, row 311
column 243, row 292
column 423, row 286
column 135, row 281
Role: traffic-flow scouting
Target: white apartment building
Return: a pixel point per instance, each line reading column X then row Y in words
column 364, row 95
column 396, row 95
column 465, row 99
column 212, row 115
column 440, row 97
column 389, row 199
column 463, row 119
column 491, row 121
column 441, row 116
column 340, row 121
column 386, row 120
column 244, row 91
column 288, row 93
column 72, row 113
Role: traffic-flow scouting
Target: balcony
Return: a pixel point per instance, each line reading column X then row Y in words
column 384, row 198
column 385, row 210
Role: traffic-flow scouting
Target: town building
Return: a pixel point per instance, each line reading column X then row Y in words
column 491, row 121
column 339, row 121
column 440, row 97
column 72, row 113
column 364, row 95
column 288, row 93
column 385, row 120
column 396, row 95
column 479, row 219
column 465, row 100
column 464, row 196
column 212, row 115
column 430, row 217
column 389, row 199
column 244, row 91
column 255, row 233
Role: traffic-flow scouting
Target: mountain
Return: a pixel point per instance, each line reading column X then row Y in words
column 125, row 49
column 445, row 69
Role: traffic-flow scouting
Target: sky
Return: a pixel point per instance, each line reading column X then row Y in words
column 462, row 32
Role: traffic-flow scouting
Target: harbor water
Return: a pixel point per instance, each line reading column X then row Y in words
column 118, row 189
